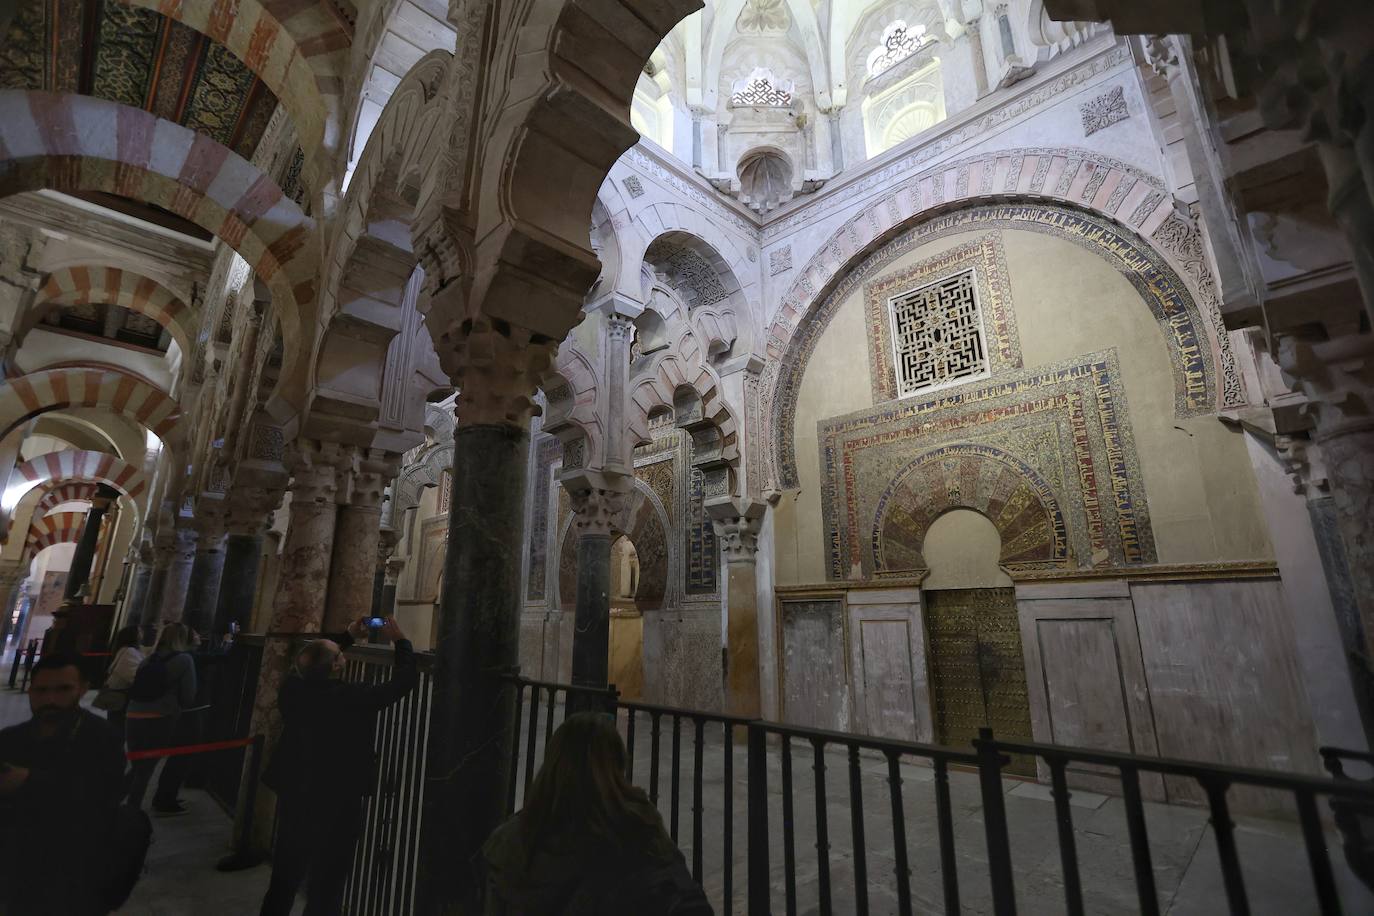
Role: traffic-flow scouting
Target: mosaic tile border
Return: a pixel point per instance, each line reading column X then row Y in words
column 1164, row 292
column 987, row 259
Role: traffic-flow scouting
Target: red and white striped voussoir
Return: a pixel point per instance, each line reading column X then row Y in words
column 62, row 528
column 57, row 389
column 79, row 464
column 71, row 142
column 60, row 492
column 87, row 285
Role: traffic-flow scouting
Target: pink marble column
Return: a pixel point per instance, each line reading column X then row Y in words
column 353, row 569
column 737, row 524
column 298, row 606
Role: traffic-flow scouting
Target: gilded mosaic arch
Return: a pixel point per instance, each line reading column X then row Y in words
column 1015, row 498
column 1158, row 284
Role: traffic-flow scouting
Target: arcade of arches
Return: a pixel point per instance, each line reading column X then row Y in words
column 830, row 362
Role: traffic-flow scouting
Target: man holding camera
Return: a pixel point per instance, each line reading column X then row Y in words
column 325, row 766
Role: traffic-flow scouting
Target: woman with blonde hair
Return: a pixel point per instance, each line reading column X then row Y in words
column 163, row 689
column 587, row 841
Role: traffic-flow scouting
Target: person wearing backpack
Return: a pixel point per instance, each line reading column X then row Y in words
column 163, row 689
column 113, row 697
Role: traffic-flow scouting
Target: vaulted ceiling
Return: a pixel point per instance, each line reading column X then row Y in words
column 140, row 58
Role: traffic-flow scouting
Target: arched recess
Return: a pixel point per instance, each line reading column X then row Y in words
column 1017, row 500
column 1112, row 209
column 659, row 382
column 57, row 389
column 372, row 257
column 298, row 50
column 95, row 285
column 425, row 471
column 73, row 465
column 804, row 20
column 645, row 523
column 706, row 284
column 572, row 412
column 131, row 153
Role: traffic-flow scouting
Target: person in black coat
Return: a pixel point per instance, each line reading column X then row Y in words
column 61, row 779
column 324, row 766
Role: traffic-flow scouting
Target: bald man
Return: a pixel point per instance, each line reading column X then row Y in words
column 325, row 766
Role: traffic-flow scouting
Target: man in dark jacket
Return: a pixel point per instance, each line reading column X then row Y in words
column 324, row 766
column 61, row 778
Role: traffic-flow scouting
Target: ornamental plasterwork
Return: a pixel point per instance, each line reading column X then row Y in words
column 1104, row 111
column 897, row 44
column 634, row 186
column 761, row 89
column 780, row 261
column 764, row 16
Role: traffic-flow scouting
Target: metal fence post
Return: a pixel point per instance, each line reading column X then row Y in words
column 990, row 763
column 759, row 904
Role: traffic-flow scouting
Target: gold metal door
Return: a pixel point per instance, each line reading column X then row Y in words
column 978, row 674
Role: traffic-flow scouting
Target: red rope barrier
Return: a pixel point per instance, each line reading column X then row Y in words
column 189, row 749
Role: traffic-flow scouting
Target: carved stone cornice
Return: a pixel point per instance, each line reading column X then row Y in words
column 497, row 368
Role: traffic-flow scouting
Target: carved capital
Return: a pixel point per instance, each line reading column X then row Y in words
column 248, row 510
column 363, row 477
column 393, row 570
column 314, row 472
column 387, row 540
column 618, row 327
column 211, row 522
column 737, row 523
column 497, row 369
column 1337, row 376
column 1303, row 462
column 596, row 511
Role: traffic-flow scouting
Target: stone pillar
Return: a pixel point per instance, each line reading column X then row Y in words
column 138, row 591
column 150, row 613
column 80, row 572
column 353, row 566
column 980, row 63
column 298, row 606
column 249, row 511
column 207, row 567
column 737, row 524
column 11, row 574
column 386, row 546
column 392, row 576
column 178, row 571
column 595, row 511
column 1337, row 376
column 472, row 710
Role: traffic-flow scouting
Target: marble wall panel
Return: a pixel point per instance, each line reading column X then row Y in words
column 682, row 658
column 815, row 680
column 1224, row 680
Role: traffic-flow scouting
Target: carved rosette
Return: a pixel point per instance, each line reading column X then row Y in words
column 497, row 369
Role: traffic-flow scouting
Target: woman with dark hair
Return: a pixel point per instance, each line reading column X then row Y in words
column 125, row 658
column 587, row 842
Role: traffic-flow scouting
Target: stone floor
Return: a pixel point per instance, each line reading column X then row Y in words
column 181, row 880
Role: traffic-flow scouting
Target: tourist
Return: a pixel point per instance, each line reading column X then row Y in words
column 587, row 841
column 325, row 766
column 61, row 777
column 113, row 697
column 163, row 689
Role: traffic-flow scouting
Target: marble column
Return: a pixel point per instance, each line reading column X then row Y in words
column 980, row 65
column 386, row 546
column 353, row 566
column 150, row 614
column 596, row 509
column 207, row 567
column 737, row 524
column 11, row 574
column 84, row 556
column 249, row 512
column 179, row 571
column 472, row 708
column 138, row 591
column 298, row 606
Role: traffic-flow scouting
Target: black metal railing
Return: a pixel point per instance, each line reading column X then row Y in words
column 383, row 877
column 799, row 780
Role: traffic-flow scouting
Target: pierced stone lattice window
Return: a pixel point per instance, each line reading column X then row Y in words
column 937, row 335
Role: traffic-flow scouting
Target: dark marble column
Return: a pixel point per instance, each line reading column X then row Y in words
column 298, row 606
column 150, row 613
column 138, row 593
column 595, row 511
column 179, row 571
column 249, row 514
column 472, row 708
column 353, row 566
column 386, row 545
column 207, row 569
column 84, row 556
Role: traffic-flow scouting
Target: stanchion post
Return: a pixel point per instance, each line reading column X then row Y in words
column 759, row 892
column 990, row 763
column 243, row 856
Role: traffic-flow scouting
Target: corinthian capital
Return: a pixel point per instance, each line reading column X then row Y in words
column 737, row 524
column 598, row 499
column 497, row 369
